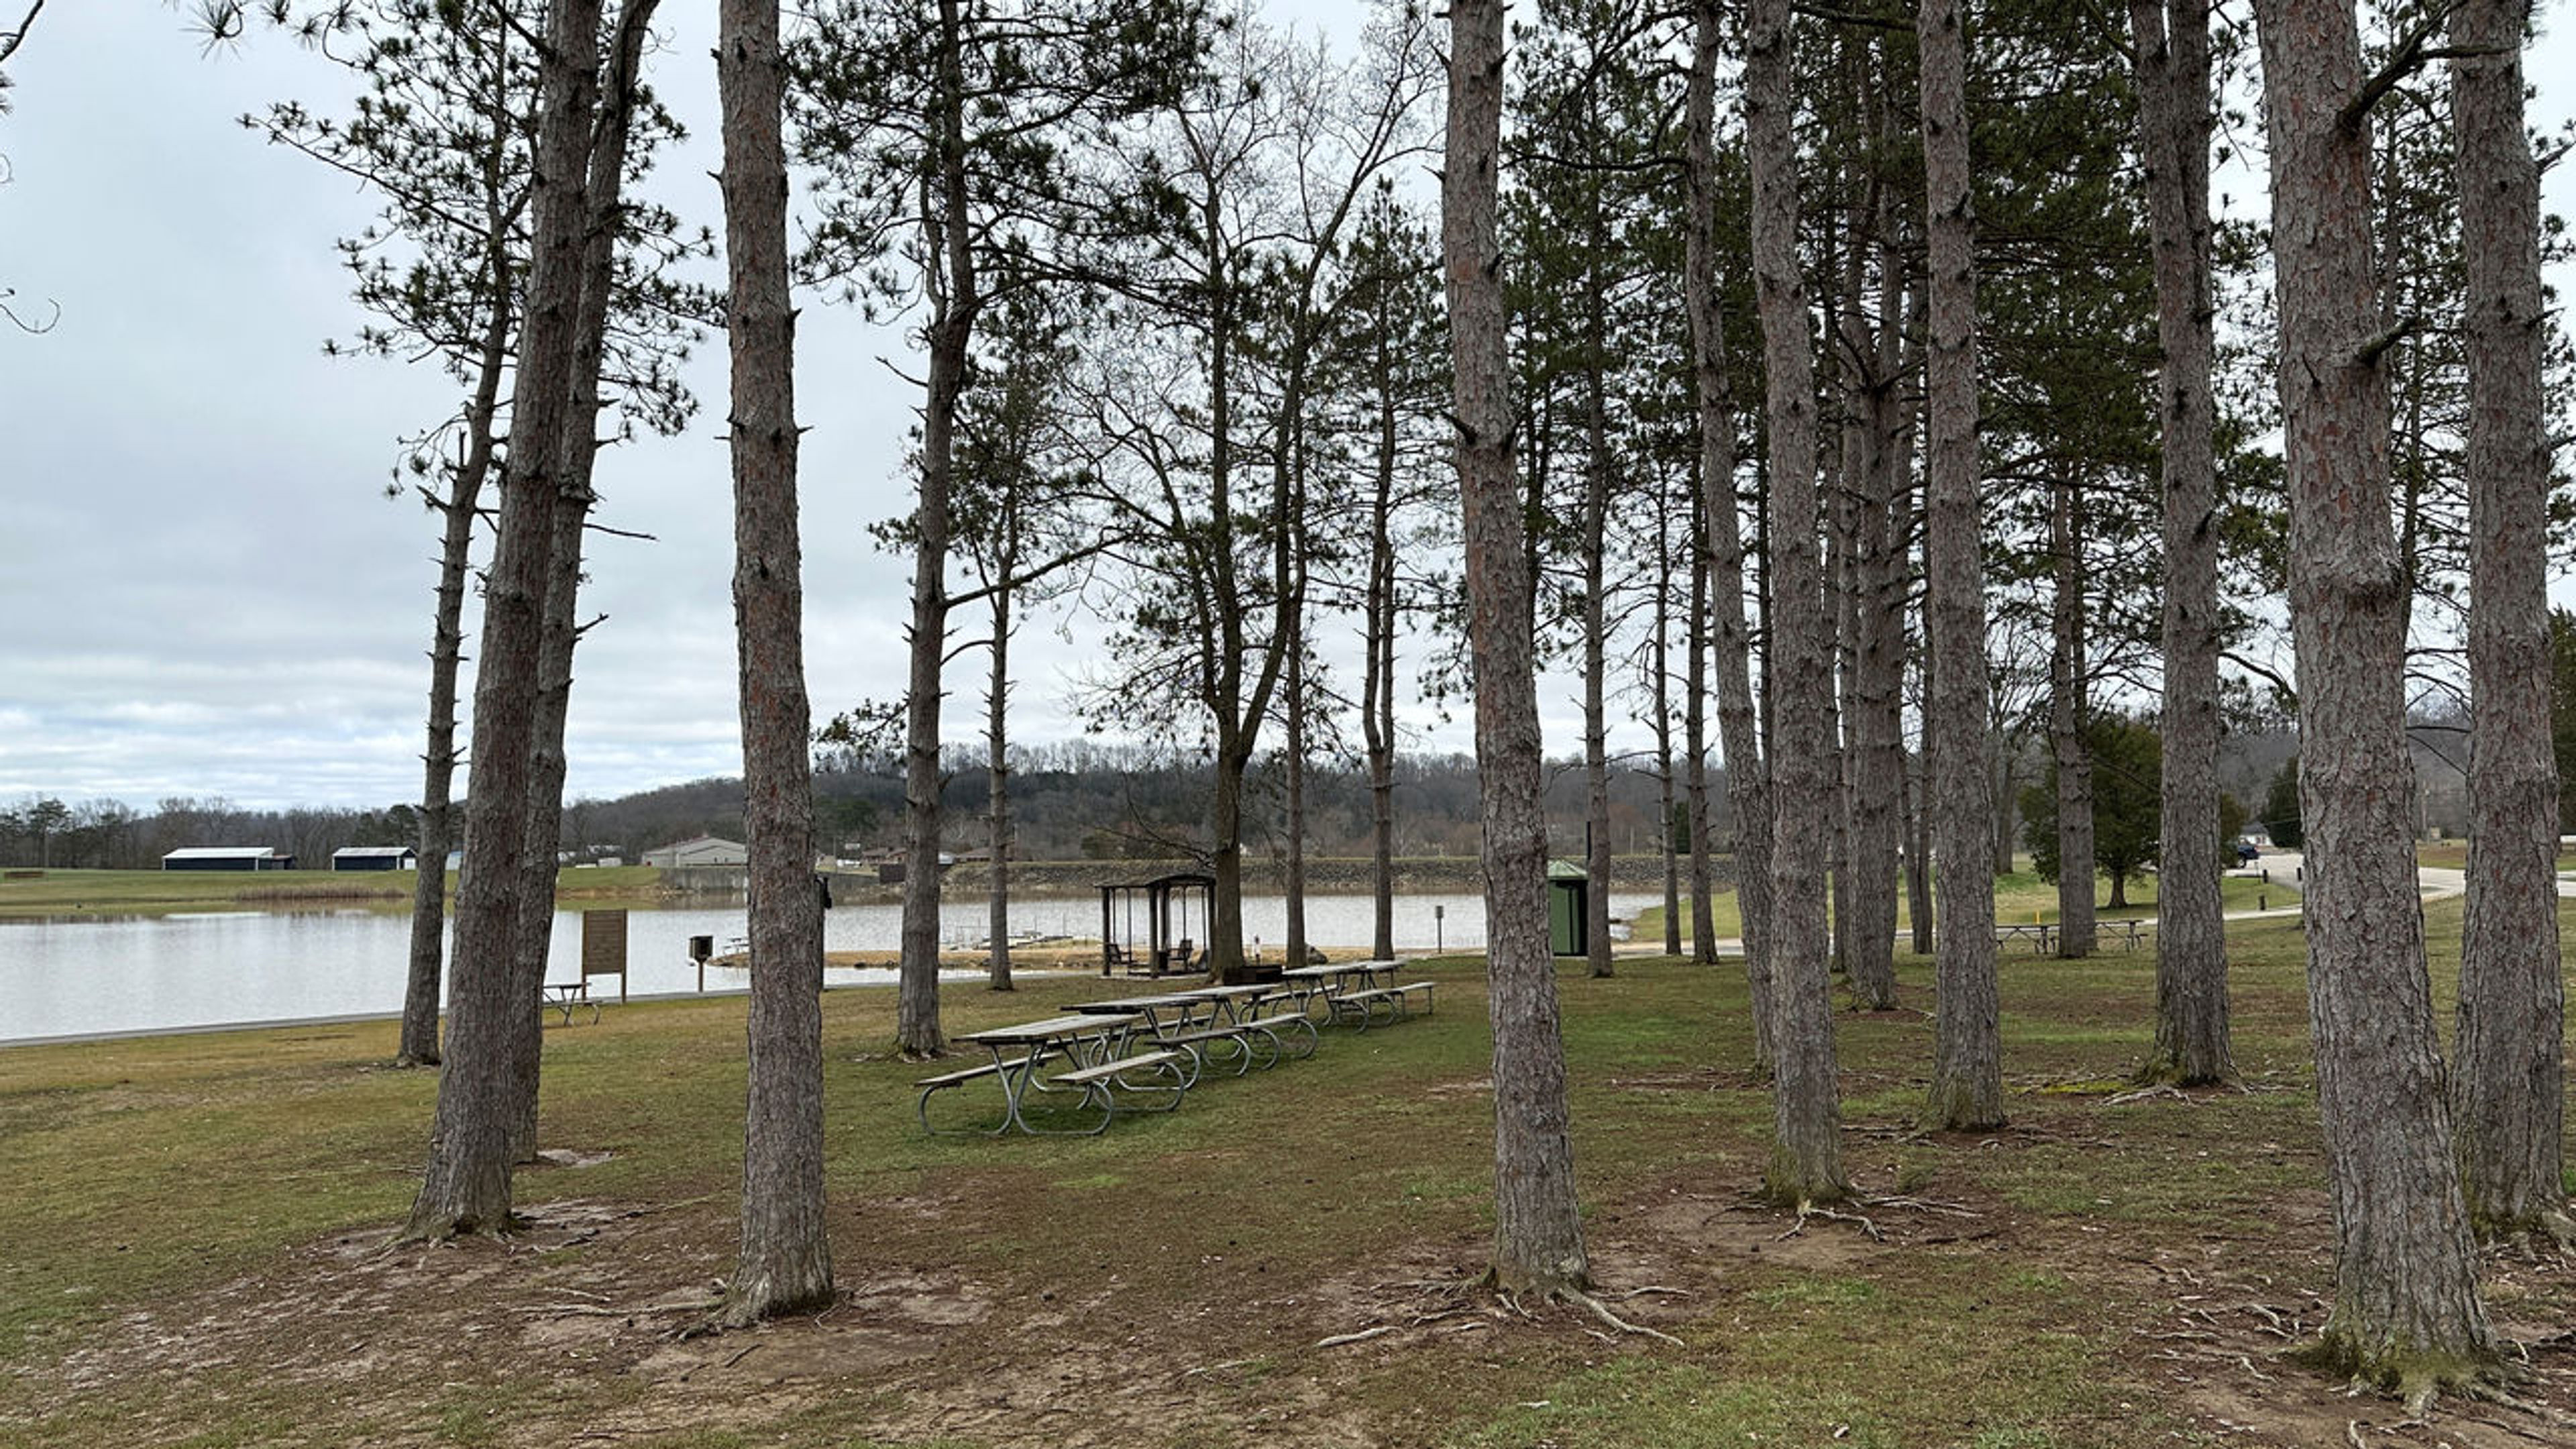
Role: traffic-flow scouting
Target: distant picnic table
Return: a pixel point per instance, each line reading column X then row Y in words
column 1148, row 1050
column 2129, row 931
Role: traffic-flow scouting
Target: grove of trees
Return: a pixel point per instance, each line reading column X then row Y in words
column 1883, row 380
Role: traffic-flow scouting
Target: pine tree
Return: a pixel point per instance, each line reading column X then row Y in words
column 786, row 1255
column 2406, row 1312
column 1538, row 1225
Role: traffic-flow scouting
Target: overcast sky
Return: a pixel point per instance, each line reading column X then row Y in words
column 203, row 589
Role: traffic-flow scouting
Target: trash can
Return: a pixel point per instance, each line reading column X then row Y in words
column 1569, row 895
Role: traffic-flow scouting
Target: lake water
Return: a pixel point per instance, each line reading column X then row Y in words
column 124, row 975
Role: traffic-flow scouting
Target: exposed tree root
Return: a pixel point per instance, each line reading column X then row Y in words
column 1600, row 1310
column 2160, row 1089
column 2504, row 1398
column 1808, row 1210
column 1922, row 1205
column 1578, row 1295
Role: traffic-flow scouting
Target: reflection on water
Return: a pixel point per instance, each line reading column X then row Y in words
column 107, row 975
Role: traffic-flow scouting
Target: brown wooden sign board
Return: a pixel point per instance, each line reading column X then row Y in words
column 603, row 946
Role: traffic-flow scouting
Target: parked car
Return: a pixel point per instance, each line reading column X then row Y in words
column 2247, row 852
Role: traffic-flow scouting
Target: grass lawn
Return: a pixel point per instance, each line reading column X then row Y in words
column 2454, row 855
column 2020, row 898
column 193, row 1257
column 154, row 892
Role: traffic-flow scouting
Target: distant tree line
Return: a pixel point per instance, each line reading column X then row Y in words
column 42, row 831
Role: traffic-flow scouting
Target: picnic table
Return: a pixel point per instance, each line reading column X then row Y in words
column 564, row 996
column 1355, row 990
column 1210, row 1018
column 1246, row 1000
column 1095, row 1044
column 2039, row 935
column 2130, row 931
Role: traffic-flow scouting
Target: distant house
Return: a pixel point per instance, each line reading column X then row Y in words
column 699, row 850
column 376, row 857
column 227, row 857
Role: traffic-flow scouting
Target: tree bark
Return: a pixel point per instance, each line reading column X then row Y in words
column 578, row 450
column 786, row 1253
column 466, row 1186
column 1806, row 1160
column 955, row 300
column 1967, row 1055
column 997, row 762
column 419, row 1036
column 1596, row 619
column 1377, row 695
column 1659, row 655
column 1918, row 854
column 1739, row 733
column 2171, row 46
column 1875, row 717
column 2508, row 1090
column 1293, row 743
column 1703, row 874
column 1538, row 1225
column 2406, row 1310
column 2066, row 720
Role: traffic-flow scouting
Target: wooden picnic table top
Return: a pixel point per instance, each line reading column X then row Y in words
column 1093, row 1010
column 1030, row 1032
column 1341, row 968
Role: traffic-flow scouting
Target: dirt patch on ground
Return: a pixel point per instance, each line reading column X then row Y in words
column 586, row 1309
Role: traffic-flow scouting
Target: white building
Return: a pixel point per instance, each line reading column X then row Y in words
column 228, row 857
column 699, row 850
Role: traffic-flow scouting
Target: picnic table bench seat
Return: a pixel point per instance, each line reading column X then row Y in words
column 1241, row 1033
column 1362, row 1006
column 959, row 1078
column 1097, row 1082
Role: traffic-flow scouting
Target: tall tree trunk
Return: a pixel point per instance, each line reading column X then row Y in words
column 1874, row 717
column 1703, row 873
column 786, row 1254
column 1967, row 1056
column 955, row 300
column 577, row 447
column 1293, row 742
column 2172, row 54
column 2067, row 710
column 466, row 1186
column 1238, row 711
column 1595, row 544
column 2509, row 1086
column 419, row 1038
column 1806, row 1160
column 1377, row 705
column 2004, row 754
column 1226, row 963
column 1660, row 661
column 2406, row 1309
column 1538, row 1224
column 1918, row 852
column 997, row 764
column 1739, row 732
